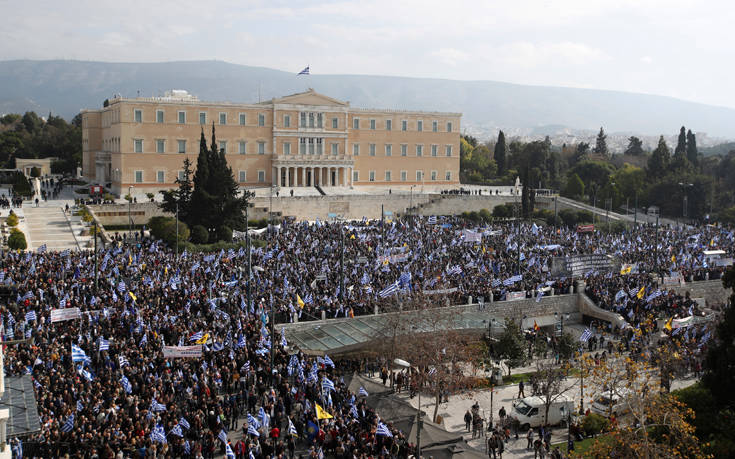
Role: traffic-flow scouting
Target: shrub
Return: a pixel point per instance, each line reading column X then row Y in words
column 503, row 211
column 108, row 197
column 224, row 233
column 593, row 424
column 485, row 215
column 21, row 185
column 164, row 228
column 12, row 220
column 568, row 217
column 35, row 172
column 199, row 234
column 17, row 240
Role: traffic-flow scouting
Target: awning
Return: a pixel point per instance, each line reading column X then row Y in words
column 20, row 399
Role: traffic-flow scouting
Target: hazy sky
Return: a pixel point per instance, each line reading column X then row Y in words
column 676, row 48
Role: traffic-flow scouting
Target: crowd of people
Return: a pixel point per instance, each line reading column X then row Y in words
column 104, row 387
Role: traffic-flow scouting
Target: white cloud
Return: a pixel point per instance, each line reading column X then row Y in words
column 451, row 56
column 646, row 59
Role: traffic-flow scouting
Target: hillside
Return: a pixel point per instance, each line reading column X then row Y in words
column 65, row 87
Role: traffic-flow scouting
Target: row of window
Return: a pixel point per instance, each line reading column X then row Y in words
column 419, row 150
column 242, row 176
column 307, row 145
column 404, row 125
column 181, row 146
column 307, row 120
column 434, row 175
column 181, row 117
column 161, row 176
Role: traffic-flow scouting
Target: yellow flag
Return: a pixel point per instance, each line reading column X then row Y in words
column 204, row 339
column 321, row 414
column 352, row 236
column 483, row 249
column 299, row 301
column 667, row 326
column 712, row 243
column 132, row 296
column 165, row 270
column 626, row 269
column 640, row 293
column 130, row 259
column 673, row 258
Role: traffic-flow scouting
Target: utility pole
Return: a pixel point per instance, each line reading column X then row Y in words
column 96, row 268
column 247, row 247
column 177, row 229
column 555, row 213
column 342, row 265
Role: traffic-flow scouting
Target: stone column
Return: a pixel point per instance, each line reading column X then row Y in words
column 303, row 175
column 344, row 176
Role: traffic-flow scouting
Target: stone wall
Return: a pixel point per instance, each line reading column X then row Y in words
column 117, row 214
column 712, row 291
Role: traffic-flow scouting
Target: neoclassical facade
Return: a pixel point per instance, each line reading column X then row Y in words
column 300, row 140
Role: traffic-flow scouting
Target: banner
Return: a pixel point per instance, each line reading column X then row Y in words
column 440, row 291
column 579, row 265
column 513, row 296
column 393, row 258
column 724, row 262
column 585, row 228
column 60, row 315
column 182, row 352
column 673, row 279
column 471, row 236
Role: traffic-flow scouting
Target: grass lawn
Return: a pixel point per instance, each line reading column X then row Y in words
column 525, row 377
column 580, row 447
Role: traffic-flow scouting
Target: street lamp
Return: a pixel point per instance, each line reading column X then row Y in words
column 419, row 423
column 130, row 217
column 411, row 205
column 560, row 319
column 685, row 204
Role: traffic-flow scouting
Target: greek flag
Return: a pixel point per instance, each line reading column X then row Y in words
column 30, row 315
column 292, row 429
column 365, row 278
column 123, row 361
column 222, row 436
column 253, row 431
column 538, row 297
column 155, row 406
column 389, row 290
column 305, row 71
column 432, row 371
column 383, row 430
column 328, row 361
column 65, row 253
column 187, row 448
column 126, row 384
column 456, row 269
column 177, row 431
column 253, row 421
column 353, row 411
column 27, row 296
column 69, row 424
column 104, row 344
column 197, row 336
column 363, row 392
column 586, row 335
column 184, row 423
column 78, row 354
column 245, row 367
column 619, row 295
column 430, row 221
column 158, row 434
column 80, row 406
column 284, row 343
column 327, row 385
column 308, row 299
column 228, row 452
column 121, row 287
column 42, row 248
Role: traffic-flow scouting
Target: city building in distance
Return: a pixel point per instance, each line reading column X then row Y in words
column 300, row 140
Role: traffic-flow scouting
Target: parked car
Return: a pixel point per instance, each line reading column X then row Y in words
column 530, row 411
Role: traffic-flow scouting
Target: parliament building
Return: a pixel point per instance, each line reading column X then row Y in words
column 300, row 140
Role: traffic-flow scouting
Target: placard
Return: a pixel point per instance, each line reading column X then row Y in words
column 60, row 315
column 182, row 352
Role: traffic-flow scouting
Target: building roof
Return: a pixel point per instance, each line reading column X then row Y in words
column 309, row 97
column 342, row 336
column 20, row 399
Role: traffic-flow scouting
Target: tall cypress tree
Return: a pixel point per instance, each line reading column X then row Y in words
column 660, row 159
column 692, row 153
column 681, row 144
column 601, row 143
column 200, row 198
column 499, row 153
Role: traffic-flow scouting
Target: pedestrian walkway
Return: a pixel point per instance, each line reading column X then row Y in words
column 48, row 225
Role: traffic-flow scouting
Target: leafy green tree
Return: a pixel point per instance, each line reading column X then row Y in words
column 594, row 174
column 692, row 153
column 575, row 187
column 659, row 161
column 499, row 154
column 601, row 143
column 635, row 147
column 17, row 240
column 630, row 180
column 511, row 346
column 181, row 195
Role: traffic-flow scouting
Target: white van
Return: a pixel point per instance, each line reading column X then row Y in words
column 611, row 403
column 530, row 411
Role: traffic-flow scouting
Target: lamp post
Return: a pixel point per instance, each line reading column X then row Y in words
column 685, row 204
column 419, row 422
column 177, row 229
column 411, row 204
column 130, row 217
column 559, row 317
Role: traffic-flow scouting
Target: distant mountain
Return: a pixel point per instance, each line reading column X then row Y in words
column 719, row 149
column 65, row 87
